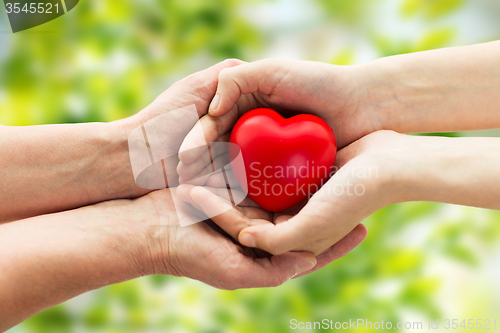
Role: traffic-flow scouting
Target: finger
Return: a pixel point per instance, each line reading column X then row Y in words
column 230, row 218
column 194, row 144
column 209, row 152
column 259, row 76
column 207, row 79
column 209, row 128
column 238, row 196
column 218, row 180
column 218, row 163
column 298, row 231
column 270, row 272
column 183, row 191
column 339, row 249
column 325, row 216
column 282, row 218
column 198, row 181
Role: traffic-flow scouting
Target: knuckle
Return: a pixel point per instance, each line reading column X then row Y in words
column 225, row 74
column 189, row 79
column 232, row 62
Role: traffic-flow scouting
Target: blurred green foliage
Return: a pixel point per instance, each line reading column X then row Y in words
column 106, row 60
column 349, row 12
column 429, row 8
column 101, row 61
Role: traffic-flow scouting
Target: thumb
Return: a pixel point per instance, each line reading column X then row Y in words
column 327, row 215
column 292, row 235
column 260, row 76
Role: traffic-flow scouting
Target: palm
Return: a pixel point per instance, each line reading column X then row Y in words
column 234, row 219
column 201, row 251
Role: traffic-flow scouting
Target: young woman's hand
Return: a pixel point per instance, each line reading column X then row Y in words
column 291, row 87
column 380, row 169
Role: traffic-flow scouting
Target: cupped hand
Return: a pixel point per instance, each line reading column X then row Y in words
column 234, row 219
column 370, row 176
column 169, row 111
column 333, row 93
column 200, row 251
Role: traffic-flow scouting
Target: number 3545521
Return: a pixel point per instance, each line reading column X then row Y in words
column 32, row 8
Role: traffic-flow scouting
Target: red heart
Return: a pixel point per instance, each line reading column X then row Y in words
column 285, row 160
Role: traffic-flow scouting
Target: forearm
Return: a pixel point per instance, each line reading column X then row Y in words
column 51, row 168
column 461, row 171
column 453, row 89
column 49, row 259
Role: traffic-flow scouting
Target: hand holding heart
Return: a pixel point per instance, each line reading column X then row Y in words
column 294, row 236
column 356, row 102
column 329, row 223
column 288, row 87
column 214, row 249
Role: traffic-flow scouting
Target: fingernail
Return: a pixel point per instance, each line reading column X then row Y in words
column 247, row 240
column 304, row 266
column 215, row 103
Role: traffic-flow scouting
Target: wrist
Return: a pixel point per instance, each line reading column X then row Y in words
column 390, row 167
column 132, row 230
column 155, row 221
column 119, row 182
column 426, row 168
column 345, row 102
column 378, row 93
column 452, row 170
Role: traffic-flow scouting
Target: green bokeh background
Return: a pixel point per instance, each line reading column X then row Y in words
column 106, row 60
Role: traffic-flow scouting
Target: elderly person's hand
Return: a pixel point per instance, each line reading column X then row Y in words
column 51, row 168
column 51, row 258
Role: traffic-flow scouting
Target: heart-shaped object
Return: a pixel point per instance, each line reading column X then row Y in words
column 285, row 160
